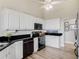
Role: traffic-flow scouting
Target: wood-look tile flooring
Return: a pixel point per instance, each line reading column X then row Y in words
column 53, row 53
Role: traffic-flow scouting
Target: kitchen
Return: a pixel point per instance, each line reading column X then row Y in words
column 25, row 32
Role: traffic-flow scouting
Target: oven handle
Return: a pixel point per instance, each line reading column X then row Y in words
column 28, row 41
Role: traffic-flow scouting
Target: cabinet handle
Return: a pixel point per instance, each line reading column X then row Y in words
column 28, row 41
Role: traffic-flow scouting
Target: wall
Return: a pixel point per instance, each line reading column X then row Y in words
column 56, row 24
column 52, row 24
column 27, row 6
column 68, row 8
column 69, row 35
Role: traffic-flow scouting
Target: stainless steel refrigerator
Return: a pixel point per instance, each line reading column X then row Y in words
column 76, row 51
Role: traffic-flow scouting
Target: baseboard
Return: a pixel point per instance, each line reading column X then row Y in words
column 62, row 45
column 69, row 42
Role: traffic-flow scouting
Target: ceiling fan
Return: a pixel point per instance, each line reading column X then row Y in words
column 48, row 4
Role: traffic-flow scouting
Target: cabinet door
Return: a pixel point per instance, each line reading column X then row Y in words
column 26, row 21
column 11, row 52
column 23, row 21
column 4, row 20
column 19, row 49
column 35, row 44
column 3, row 54
column 13, row 20
column 52, row 41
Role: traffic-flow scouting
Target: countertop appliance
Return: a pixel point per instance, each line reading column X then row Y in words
column 41, row 39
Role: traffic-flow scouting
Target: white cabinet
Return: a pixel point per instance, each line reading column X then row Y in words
column 23, row 21
column 52, row 41
column 14, row 51
column 3, row 54
column 26, row 21
column 35, row 44
column 19, row 49
column 11, row 52
column 9, row 19
column 4, row 20
column 13, row 20
column 8, row 53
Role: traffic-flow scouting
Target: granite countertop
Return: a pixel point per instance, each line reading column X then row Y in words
column 17, row 38
column 9, row 43
column 54, row 34
column 13, row 39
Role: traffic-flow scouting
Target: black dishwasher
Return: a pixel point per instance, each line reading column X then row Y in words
column 28, row 47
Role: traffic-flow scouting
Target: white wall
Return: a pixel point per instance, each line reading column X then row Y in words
column 55, row 24
column 69, row 35
column 52, row 24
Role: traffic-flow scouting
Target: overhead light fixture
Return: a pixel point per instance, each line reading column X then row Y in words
column 48, row 6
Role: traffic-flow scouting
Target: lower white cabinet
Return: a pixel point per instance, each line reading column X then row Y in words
column 19, row 49
column 11, row 53
column 3, row 54
column 52, row 41
column 8, row 53
column 35, row 44
column 14, row 51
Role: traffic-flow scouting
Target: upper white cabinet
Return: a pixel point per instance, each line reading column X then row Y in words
column 4, row 20
column 23, row 21
column 9, row 20
column 13, row 20
column 26, row 21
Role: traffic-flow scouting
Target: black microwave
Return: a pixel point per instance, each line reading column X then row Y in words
column 37, row 26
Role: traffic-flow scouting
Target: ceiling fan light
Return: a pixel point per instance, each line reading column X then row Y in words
column 48, row 7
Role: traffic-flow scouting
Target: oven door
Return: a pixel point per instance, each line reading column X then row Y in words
column 41, row 42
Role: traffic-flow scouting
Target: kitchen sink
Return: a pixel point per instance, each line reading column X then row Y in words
column 2, row 45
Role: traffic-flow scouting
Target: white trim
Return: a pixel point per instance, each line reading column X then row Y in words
column 69, row 42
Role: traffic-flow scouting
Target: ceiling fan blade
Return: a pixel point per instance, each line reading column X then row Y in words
column 55, row 2
column 48, row 1
column 41, row 2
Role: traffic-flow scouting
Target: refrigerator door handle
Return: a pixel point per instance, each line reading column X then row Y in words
column 76, row 51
